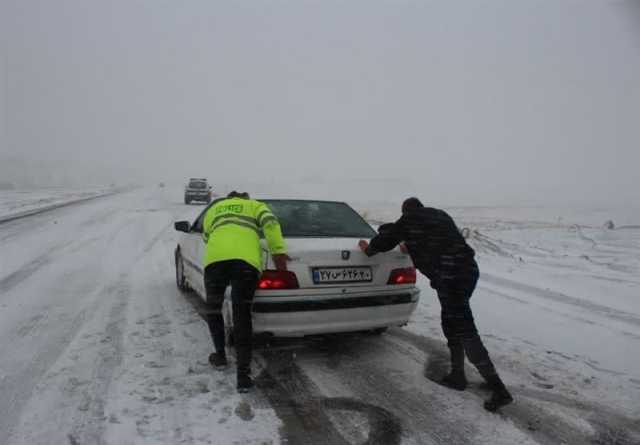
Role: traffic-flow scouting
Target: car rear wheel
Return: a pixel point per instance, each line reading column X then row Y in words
column 181, row 281
column 378, row 331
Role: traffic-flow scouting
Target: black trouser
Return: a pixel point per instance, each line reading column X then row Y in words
column 243, row 279
column 459, row 327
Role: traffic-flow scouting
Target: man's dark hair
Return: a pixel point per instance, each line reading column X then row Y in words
column 235, row 194
column 410, row 205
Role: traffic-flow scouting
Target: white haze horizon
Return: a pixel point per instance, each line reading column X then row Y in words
column 467, row 104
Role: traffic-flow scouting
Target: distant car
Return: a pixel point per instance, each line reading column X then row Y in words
column 197, row 189
column 330, row 285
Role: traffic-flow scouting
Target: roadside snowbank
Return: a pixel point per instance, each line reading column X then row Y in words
column 19, row 203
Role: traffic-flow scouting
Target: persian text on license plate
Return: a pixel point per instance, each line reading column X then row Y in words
column 325, row 275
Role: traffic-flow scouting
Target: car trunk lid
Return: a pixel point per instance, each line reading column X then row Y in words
column 339, row 262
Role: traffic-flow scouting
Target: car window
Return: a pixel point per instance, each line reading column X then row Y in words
column 197, row 225
column 199, row 222
column 319, row 219
column 199, row 185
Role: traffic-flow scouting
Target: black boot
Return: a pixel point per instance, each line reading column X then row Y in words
column 218, row 361
column 499, row 397
column 244, row 382
column 216, row 328
column 455, row 380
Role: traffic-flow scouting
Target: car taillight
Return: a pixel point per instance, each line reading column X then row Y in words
column 278, row 279
column 406, row 275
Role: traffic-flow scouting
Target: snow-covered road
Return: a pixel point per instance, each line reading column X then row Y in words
column 97, row 345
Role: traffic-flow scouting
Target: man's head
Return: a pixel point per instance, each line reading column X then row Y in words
column 410, row 205
column 235, row 194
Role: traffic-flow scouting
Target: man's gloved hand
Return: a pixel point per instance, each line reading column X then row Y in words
column 363, row 244
column 280, row 260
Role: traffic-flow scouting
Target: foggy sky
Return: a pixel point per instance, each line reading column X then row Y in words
column 477, row 102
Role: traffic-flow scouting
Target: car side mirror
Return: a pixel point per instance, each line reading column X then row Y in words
column 182, row 226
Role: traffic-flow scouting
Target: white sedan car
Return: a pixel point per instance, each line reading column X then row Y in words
column 330, row 285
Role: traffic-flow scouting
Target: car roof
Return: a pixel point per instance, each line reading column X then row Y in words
column 299, row 200
column 267, row 200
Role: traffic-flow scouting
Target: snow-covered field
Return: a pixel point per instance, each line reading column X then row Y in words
column 98, row 346
column 18, row 203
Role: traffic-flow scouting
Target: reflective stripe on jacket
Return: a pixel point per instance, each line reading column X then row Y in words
column 232, row 229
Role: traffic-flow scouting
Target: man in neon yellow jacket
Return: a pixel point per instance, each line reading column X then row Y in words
column 234, row 256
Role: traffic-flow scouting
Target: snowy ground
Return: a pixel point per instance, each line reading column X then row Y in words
column 18, row 203
column 99, row 347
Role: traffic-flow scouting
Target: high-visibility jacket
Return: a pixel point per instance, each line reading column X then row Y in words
column 232, row 229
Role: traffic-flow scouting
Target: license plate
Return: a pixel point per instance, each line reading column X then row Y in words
column 327, row 275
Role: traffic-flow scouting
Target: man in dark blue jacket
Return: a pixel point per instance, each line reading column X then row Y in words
column 440, row 252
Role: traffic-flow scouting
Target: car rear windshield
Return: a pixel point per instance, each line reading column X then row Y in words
column 197, row 185
column 319, row 219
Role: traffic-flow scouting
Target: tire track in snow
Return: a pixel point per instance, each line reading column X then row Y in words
column 35, row 345
column 27, row 228
column 29, row 269
column 369, row 366
column 13, row 279
column 162, row 233
column 68, row 383
column 437, row 365
column 563, row 298
column 90, row 426
column 393, row 409
column 306, row 414
column 526, row 412
column 60, row 377
column 605, row 421
column 16, row 388
column 567, row 314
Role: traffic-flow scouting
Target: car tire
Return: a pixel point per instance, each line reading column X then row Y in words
column 378, row 331
column 187, row 201
column 181, row 281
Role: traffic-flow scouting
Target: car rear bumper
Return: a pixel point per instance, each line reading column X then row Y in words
column 295, row 318
column 197, row 196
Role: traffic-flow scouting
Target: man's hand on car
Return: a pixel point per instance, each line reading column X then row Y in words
column 280, row 260
column 363, row 244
